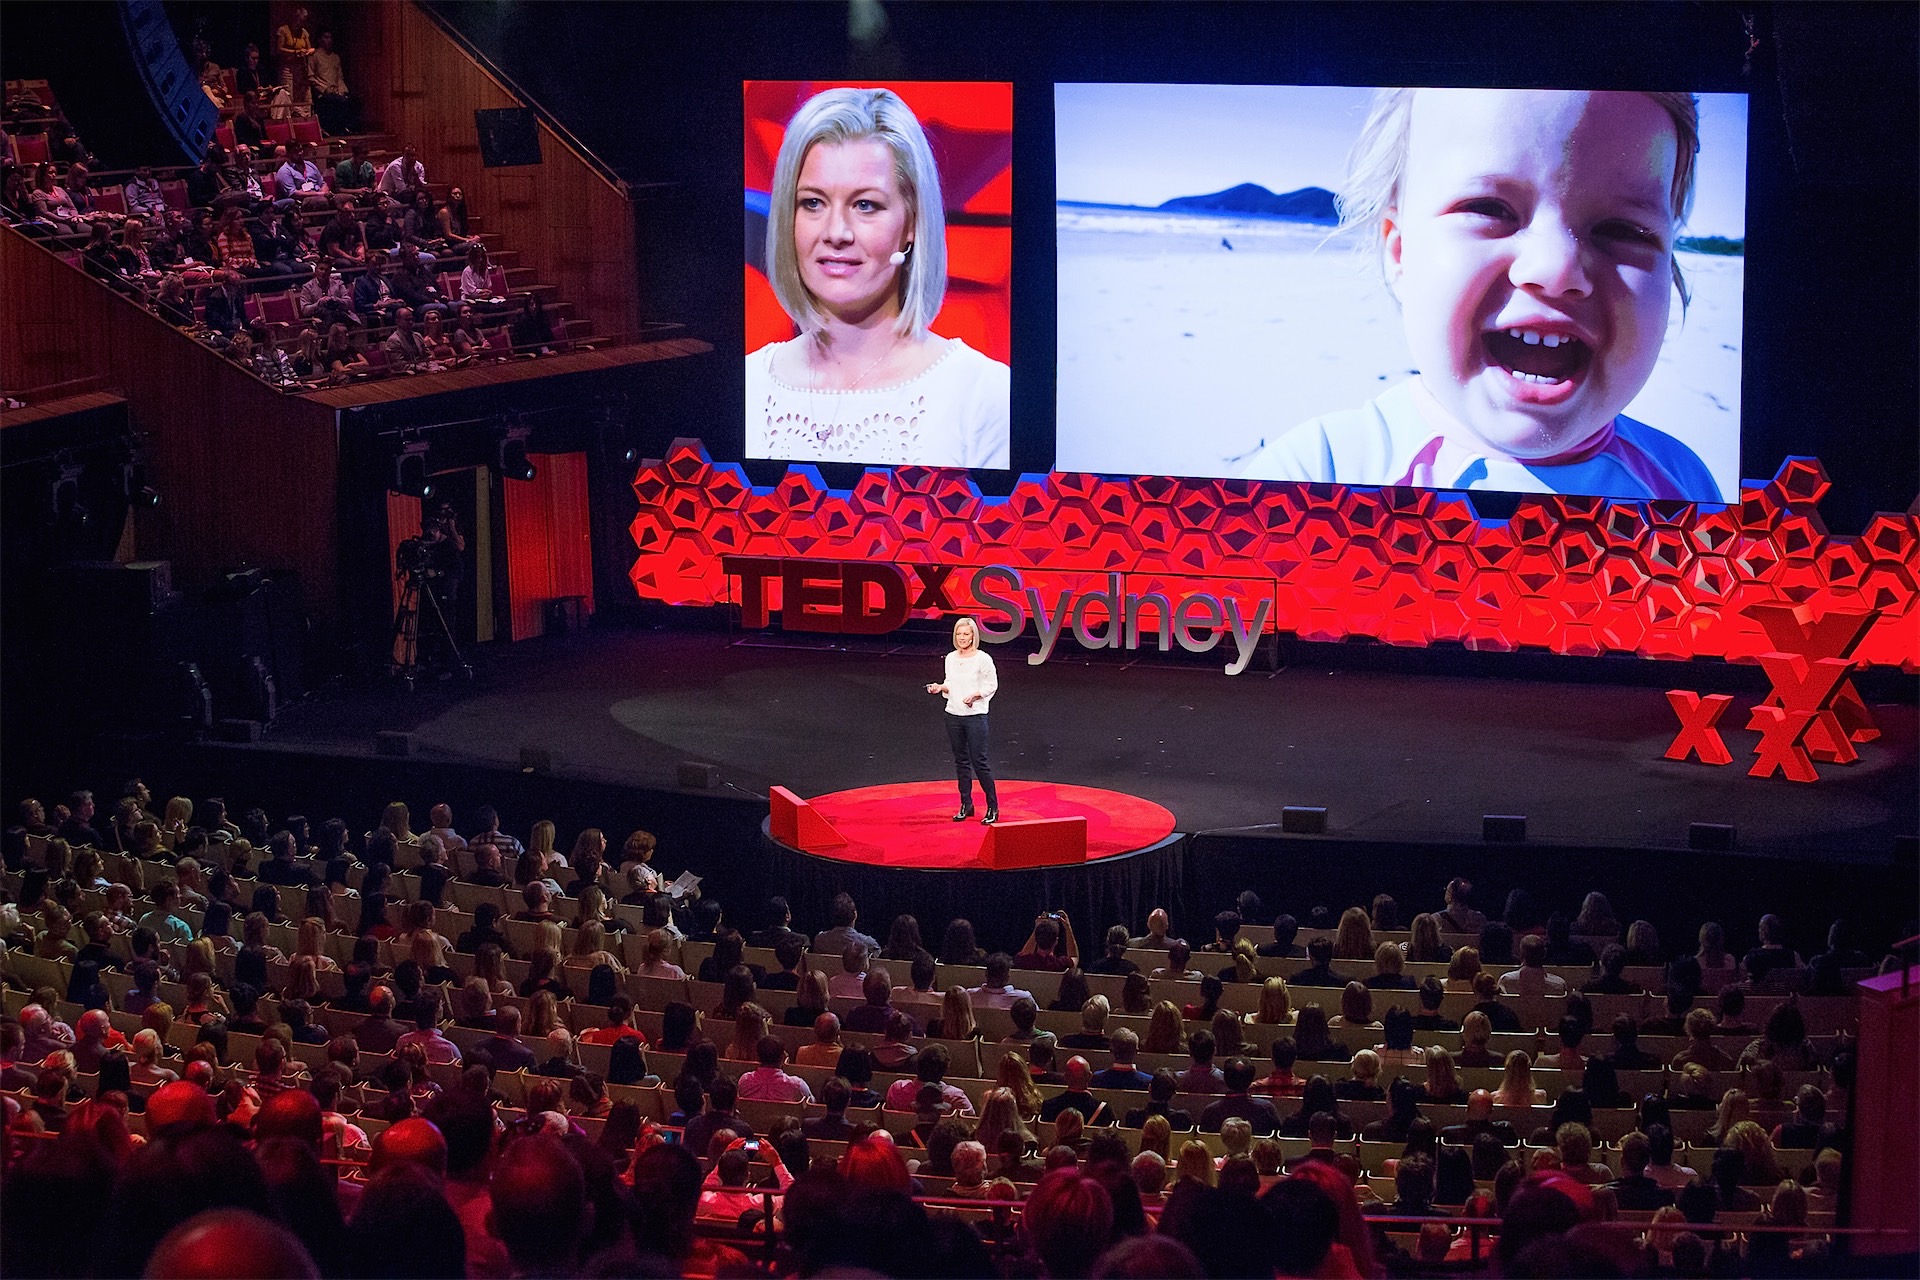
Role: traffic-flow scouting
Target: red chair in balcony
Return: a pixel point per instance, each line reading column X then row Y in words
column 307, row 131
column 31, row 148
column 279, row 308
column 497, row 281
column 279, row 132
column 111, row 200
column 223, row 134
column 174, row 192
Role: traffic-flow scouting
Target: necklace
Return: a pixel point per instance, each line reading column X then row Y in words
column 826, row 432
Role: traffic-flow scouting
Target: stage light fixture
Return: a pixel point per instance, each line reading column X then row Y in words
column 514, row 463
column 411, row 475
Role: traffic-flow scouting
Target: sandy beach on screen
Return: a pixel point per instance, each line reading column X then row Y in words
column 1180, row 356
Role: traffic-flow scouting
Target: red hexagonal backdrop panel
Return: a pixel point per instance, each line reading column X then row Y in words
column 1581, row 576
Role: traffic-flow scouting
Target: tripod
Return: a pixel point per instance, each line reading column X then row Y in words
column 418, row 585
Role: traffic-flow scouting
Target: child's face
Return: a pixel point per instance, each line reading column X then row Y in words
column 1547, row 213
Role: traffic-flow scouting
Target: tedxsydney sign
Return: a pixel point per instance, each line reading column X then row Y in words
column 834, row 596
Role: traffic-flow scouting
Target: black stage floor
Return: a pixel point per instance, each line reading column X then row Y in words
column 1391, row 755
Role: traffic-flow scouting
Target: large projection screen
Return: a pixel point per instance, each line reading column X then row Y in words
column 1498, row 309
column 878, row 282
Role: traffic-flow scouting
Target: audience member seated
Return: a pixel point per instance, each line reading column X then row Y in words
column 343, row 360
column 1237, row 1079
column 326, row 297
column 1772, row 954
column 143, row 196
column 402, row 177
column 299, row 180
column 373, row 300
column 341, row 241
column 107, row 262
column 1319, row 971
column 1532, row 979
column 476, row 288
column 412, row 283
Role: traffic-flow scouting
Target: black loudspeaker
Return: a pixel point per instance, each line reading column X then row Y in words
column 1503, row 828
column 508, row 136
column 696, row 776
column 254, row 615
column 123, row 635
column 536, row 760
column 1299, row 820
column 391, row 742
column 1906, row 851
column 1710, row 837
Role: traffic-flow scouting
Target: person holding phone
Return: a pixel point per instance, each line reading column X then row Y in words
column 1051, row 946
column 969, row 688
column 729, row 1190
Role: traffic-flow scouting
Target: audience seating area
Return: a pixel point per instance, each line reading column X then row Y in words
column 154, row 234
column 382, row 952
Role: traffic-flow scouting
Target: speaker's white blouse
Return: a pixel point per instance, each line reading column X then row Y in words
column 953, row 414
column 969, row 674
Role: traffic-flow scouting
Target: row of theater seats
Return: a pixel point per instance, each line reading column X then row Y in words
column 273, row 302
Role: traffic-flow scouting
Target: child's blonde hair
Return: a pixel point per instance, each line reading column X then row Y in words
column 1378, row 164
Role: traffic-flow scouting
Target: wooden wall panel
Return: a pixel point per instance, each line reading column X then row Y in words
column 247, row 475
column 570, row 223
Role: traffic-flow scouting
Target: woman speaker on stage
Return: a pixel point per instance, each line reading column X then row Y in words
column 968, row 688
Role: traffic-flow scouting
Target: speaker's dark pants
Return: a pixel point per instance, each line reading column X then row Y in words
column 967, row 735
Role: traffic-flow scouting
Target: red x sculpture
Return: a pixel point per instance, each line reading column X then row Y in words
column 1803, row 688
column 1817, row 635
column 1813, row 712
column 1780, row 750
column 1697, row 736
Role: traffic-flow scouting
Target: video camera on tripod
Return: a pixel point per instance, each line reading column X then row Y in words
column 429, row 554
column 415, row 556
column 419, row 620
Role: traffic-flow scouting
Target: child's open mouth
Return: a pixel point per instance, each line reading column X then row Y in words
column 1544, row 366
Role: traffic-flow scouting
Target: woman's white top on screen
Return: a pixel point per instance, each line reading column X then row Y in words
column 969, row 674
column 954, row 414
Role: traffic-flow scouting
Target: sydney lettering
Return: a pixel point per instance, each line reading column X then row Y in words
column 864, row 598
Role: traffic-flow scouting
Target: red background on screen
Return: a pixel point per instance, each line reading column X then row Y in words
column 969, row 125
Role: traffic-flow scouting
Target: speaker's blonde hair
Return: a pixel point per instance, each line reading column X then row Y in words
column 852, row 115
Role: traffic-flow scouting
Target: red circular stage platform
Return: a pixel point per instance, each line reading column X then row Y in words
column 909, row 825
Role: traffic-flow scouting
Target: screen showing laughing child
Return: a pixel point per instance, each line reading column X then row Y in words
column 1528, row 240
